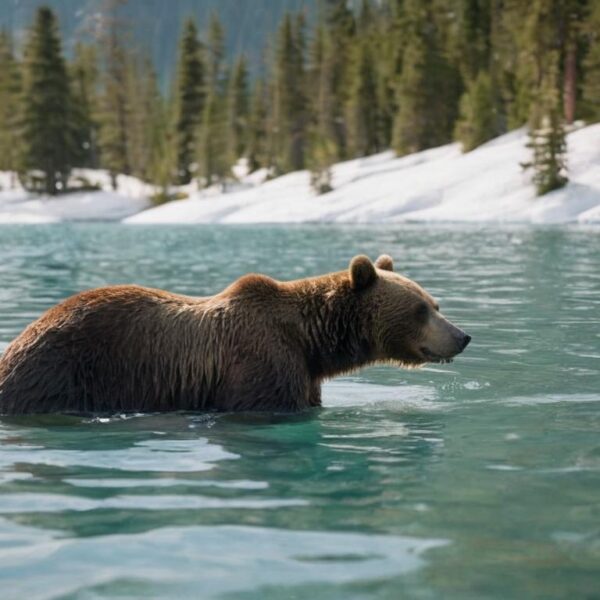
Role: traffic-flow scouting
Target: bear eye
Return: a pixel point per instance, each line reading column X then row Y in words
column 422, row 311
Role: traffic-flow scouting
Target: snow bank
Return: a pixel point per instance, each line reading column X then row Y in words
column 18, row 206
column 80, row 206
column 442, row 184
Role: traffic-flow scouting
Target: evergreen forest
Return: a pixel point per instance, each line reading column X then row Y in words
column 345, row 81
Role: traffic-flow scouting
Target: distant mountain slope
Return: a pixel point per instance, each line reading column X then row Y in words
column 156, row 23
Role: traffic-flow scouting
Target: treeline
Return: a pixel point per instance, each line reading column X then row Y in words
column 406, row 74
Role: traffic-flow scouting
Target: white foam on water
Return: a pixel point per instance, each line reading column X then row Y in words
column 50, row 503
column 189, row 455
column 165, row 482
column 549, row 399
column 344, row 394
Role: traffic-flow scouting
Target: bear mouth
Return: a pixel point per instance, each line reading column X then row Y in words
column 434, row 358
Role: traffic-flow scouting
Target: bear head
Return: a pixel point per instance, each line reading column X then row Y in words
column 407, row 327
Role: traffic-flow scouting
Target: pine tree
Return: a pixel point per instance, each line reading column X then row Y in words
column 213, row 158
column 47, row 144
column 257, row 151
column 366, row 19
column 9, row 103
column 427, row 87
column 549, row 26
column 214, row 163
column 506, row 21
column 320, row 161
column 541, row 52
column 84, row 85
column 237, row 111
column 479, row 107
column 115, row 105
column 571, row 17
column 591, row 83
column 215, row 51
column 478, row 121
column 341, row 29
column 322, row 151
column 290, row 116
column 547, row 134
column 362, row 112
column 388, row 49
column 190, row 97
column 472, row 39
column 147, row 129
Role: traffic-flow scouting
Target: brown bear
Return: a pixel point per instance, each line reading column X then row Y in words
column 260, row 344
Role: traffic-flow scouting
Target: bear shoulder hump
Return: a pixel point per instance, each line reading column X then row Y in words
column 254, row 285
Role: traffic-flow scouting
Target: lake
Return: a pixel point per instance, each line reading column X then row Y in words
column 477, row 479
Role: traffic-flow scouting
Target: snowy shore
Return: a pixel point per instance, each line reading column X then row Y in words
column 17, row 206
column 437, row 185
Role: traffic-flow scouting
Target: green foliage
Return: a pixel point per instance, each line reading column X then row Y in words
column 10, row 83
column 478, row 121
column 214, row 165
column 258, row 137
column 321, row 93
column 472, row 41
column 115, row 104
column 322, row 149
column 289, row 101
column 238, row 111
column 47, row 143
column 407, row 73
column 322, row 156
column 427, row 92
column 363, row 115
column 189, row 100
column 547, row 134
column 84, row 91
column 148, row 126
column 341, row 30
column 215, row 51
column 156, row 24
column 591, row 83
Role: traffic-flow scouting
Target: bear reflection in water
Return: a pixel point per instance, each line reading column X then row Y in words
column 260, row 344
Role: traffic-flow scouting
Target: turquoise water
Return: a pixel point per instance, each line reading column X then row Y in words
column 479, row 479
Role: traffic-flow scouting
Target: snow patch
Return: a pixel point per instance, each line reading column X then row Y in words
column 19, row 206
column 437, row 185
column 441, row 184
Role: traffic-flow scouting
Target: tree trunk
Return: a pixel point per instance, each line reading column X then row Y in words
column 50, row 183
column 570, row 83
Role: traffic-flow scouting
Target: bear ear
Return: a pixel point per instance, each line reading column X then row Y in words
column 385, row 263
column 362, row 272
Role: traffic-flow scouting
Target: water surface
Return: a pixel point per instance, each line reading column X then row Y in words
column 478, row 479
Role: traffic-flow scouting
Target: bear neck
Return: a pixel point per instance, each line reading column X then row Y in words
column 335, row 327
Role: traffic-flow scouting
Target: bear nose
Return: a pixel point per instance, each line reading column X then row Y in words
column 465, row 341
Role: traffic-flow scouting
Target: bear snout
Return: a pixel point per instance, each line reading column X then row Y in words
column 462, row 340
column 465, row 341
column 443, row 341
